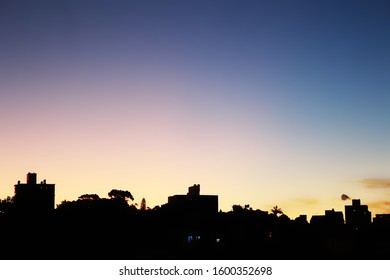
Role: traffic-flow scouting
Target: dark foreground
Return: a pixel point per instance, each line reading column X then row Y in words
column 161, row 235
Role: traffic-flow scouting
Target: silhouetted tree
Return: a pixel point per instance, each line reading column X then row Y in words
column 284, row 218
column 89, row 197
column 247, row 207
column 276, row 210
column 63, row 202
column 237, row 208
column 143, row 204
column 6, row 205
column 125, row 195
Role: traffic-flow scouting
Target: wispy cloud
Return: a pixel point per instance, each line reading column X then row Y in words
column 375, row 183
column 382, row 204
column 308, row 201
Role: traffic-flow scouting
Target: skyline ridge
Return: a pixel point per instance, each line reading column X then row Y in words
column 194, row 190
column 186, row 227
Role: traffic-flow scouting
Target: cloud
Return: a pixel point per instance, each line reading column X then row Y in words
column 308, row 201
column 374, row 183
column 382, row 204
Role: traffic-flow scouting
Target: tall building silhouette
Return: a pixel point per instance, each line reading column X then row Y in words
column 33, row 198
column 194, row 202
column 357, row 215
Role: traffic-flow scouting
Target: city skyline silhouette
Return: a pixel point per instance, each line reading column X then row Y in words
column 339, row 201
column 279, row 109
column 188, row 226
column 285, row 103
column 45, row 193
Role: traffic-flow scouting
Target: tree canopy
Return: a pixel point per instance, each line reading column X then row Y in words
column 89, row 197
column 120, row 194
column 6, row 205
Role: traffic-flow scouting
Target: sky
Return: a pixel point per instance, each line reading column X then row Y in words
column 261, row 102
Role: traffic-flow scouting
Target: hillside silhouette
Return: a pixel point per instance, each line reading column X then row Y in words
column 187, row 227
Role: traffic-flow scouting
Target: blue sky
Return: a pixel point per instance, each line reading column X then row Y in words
column 282, row 100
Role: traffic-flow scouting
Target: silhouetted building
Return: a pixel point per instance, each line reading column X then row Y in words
column 331, row 218
column 357, row 215
column 302, row 219
column 194, row 190
column 194, row 202
column 382, row 219
column 33, row 198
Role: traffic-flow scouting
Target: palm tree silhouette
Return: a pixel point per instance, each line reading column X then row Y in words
column 276, row 210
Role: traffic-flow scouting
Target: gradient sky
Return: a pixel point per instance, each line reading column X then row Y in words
column 260, row 102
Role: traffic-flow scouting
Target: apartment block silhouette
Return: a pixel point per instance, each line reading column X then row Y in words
column 32, row 198
column 357, row 215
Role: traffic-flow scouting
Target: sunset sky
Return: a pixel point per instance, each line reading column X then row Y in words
column 259, row 102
